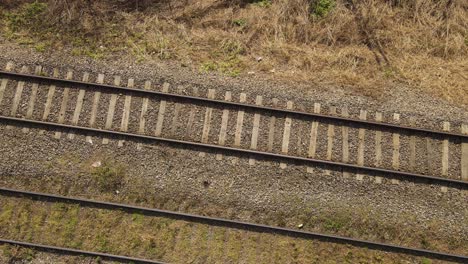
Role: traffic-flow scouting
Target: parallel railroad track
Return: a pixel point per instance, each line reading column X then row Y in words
column 240, row 225
column 71, row 251
column 379, row 149
column 385, row 172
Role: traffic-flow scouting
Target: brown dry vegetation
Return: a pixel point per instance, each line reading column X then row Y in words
column 365, row 45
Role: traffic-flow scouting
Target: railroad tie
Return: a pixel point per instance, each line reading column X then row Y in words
column 412, row 146
column 32, row 98
column 143, row 113
column 96, row 98
column 50, row 98
column 313, row 137
column 193, row 112
column 464, row 155
column 330, row 139
column 3, row 84
column 207, row 122
column 239, row 125
column 445, row 151
column 63, row 105
column 271, row 128
column 361, row 144
column 111, row 109
column 378, row 146
column 255, row 129
column 79, row 106
column 17, row 97
column 445, row 155
column 345, row 137
column 177, row 109
column 126, row 112
column 300, row 133
column 161, row 112
column 224, row 123
column 286, row 133
column 396, row 148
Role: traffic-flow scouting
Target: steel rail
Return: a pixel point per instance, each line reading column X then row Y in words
column 381, row 171
column 113, row 88
column 237, row 224
column 71, row 251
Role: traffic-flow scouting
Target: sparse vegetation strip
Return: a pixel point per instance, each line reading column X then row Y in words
column 194, row 99
column 71, row 251
column 227, row 223
column 383, row 172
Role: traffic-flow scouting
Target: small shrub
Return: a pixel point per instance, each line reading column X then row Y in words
column 240, row 22
column 108, row 177
column 320, row 8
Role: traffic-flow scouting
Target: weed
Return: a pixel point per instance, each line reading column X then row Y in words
column 426, row 261
column 102, row 243
column 108, row 177
column 94, row 54
column 320, row 8
column 232, row 47
column 70, row 225
column 240, row 22
column 208, row 66
column 41, row 47
column 262, row 3
column 6, row 251
column 6, row 214
column 138, row 218
column 390, row 72
column 231, row 67
column 227, row 59
column 425, row 243
column 18, row 255
column 333, row 224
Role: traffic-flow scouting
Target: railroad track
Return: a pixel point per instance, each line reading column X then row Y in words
column 351, row 147
column 77, row 252
column 62, row 205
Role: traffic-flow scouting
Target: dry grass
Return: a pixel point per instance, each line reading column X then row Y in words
column 365, row 45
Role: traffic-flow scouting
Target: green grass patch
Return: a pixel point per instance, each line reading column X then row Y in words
column 28, row 16
column 321, row 8
column 226, row 59
column 15, row 254
column 262, row 3
column 108, row 177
